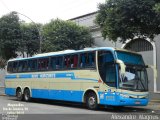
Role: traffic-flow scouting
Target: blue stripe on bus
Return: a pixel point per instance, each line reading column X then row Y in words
column 11, row 76
column 77, row 96
column 48, row 75
column 67, row 95
column 10, row 91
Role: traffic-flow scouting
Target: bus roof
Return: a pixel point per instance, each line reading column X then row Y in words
column 69, row 52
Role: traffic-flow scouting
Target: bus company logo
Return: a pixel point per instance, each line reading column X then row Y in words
column 47, row 76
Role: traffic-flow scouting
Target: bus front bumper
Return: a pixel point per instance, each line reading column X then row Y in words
column 119, row 100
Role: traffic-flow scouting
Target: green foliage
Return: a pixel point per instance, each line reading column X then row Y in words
column 29, row 42
column 126, row 19
column 17, row 37
column 61, row 35
column 9, row 35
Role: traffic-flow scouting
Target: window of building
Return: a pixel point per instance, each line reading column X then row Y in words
column 139, row 45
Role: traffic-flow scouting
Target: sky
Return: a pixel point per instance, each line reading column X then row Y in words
column 42, row 11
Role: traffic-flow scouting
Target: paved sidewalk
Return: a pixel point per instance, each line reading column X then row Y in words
column 2, row 92
column 154, row 104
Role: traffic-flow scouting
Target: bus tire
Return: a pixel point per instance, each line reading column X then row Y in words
column 19, row 94
column 27, row 95
column 91, row 101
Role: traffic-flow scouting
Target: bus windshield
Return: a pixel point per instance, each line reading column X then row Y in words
column 130, row 58
column 135, row 77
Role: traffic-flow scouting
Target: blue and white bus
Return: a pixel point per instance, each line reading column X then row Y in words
column 94, row 76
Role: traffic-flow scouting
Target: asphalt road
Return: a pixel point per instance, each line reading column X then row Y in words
column 43, row 109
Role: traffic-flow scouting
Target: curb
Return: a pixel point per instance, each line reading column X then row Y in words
column 158, row 101
column 2, row 94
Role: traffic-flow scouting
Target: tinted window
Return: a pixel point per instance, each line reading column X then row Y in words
column 109, row 75
column 56, row 63
column 74, row 61
column 87, row 59
column 22, row 66
column 32, row 65
column 130, row 58
column 107, row 69
column 105, row 56
column 71, row 61
column 43, row 64
column 15, row 66
column 10, row 67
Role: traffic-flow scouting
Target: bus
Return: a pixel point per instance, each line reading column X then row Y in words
column 93, row 76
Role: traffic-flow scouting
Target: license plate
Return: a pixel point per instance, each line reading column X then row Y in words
column 137, row 102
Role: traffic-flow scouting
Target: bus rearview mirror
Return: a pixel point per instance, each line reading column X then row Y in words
column 122, row 66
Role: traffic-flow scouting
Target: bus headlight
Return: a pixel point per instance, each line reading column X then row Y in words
column 124, row 95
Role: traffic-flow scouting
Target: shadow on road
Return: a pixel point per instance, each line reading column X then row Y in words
column 82, row 106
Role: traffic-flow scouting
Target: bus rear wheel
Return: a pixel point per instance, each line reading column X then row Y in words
column 91, row 101
column 19, row 94
column 27, row 96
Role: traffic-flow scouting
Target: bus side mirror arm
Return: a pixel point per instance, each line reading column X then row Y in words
column 122, row 66
column 154, row 70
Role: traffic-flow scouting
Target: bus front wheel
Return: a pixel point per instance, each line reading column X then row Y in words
column 91, row 101
column 19, row 94
column 27, row 96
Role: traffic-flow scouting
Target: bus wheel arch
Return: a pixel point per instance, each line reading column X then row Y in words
column 19, row 93
column 91, row 95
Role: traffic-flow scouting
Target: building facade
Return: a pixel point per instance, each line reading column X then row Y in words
column 150, row 50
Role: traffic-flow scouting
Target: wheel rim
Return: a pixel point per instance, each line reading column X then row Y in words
column 19, row 94
column 26, row 95
column 91, row 101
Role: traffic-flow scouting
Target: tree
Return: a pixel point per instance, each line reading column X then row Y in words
column 126, row 19
column 9, row 35
column 61, row 35
column 29, row 42
column 17, row 37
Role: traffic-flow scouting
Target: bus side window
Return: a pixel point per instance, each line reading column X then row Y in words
column 67, row 61
column 15, row 66
column 59, row 62
column 104, row 56
column 10, row 67
column 74, row 61
column 53, row 63
column 43, row 64
column 83, row 60
column 22, row 66
column 91, row 59
column 87, row 60
column 32, row 65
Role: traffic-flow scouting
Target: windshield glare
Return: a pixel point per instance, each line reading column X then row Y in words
column 135, row 78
